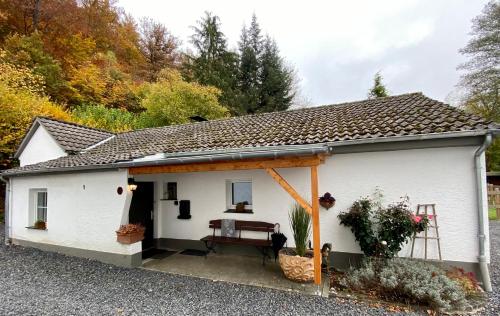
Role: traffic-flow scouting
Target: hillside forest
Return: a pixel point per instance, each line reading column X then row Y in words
column 92, row 63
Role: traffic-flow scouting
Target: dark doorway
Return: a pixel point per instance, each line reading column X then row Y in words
column 141, row 211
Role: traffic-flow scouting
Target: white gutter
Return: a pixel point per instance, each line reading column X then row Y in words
column 483, row 265
column 211, row 156
column 195, row 157
column 7, row 210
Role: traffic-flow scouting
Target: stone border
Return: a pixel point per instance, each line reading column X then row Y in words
column 122, row 260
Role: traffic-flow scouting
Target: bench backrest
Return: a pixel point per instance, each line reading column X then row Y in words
column 245, row 225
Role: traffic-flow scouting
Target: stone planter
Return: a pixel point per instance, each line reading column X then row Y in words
column 129, row 238
column 295, row 268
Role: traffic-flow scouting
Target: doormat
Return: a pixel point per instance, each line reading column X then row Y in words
column 164, row 254
column 156, row 253
column 193, row 252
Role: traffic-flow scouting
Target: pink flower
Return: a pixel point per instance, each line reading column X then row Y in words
column 416, row 219
column 429, row 216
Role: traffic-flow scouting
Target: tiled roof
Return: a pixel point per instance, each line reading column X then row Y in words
column 402, row 115
column 73, row 137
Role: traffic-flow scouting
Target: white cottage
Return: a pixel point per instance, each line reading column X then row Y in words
column 76, row 178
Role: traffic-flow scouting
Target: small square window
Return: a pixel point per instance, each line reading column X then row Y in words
column 38, row 206
column 241, row 192
column 170, row 190
column 41, row 206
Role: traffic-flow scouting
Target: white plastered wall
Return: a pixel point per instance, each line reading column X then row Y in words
column 83, row 210
column 41, row 147
column 444, row 176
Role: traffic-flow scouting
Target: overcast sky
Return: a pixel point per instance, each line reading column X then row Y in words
column 337, row 46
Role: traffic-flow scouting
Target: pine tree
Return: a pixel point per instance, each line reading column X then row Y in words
column 250, row 47
column 213, row 64
column 276, row 88
column 378, row 90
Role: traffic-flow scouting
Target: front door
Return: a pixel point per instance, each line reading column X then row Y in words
column 141, row 211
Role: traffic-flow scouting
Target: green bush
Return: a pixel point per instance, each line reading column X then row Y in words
column 492, row 213
column 99, row 116
column 409, row 281
column 358, row 218
column 383, row 231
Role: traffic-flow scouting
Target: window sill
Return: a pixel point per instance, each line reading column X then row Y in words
column 34, row 228
column 235, row 212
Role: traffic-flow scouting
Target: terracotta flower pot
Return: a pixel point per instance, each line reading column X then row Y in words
column 129, row 238
column 296, row 268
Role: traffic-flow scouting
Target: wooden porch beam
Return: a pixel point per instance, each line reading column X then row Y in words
column 312, row 208
column 247, row 164
column 315, row 224
column 288, row 188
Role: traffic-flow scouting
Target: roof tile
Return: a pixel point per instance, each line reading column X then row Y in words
column 402, row 115
column 73, row 137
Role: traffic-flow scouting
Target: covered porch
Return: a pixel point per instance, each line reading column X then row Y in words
column 233, row 267
column 175, row 233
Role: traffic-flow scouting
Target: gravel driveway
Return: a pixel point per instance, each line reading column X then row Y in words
column 34, row 282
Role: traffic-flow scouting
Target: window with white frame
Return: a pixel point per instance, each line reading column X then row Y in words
column 39, row 211
column 240, row 192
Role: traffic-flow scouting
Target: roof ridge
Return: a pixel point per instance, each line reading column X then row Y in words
column 74, row 124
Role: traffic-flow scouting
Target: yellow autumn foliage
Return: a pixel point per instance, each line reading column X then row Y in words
column 20, row 102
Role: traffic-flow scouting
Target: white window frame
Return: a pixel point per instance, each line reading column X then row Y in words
column 35, row 207
column 229, row 186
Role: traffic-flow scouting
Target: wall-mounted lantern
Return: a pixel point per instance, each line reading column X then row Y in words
column 132, row 186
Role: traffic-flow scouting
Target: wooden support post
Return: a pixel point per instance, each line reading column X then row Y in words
column 315, row 224
column 288, row 188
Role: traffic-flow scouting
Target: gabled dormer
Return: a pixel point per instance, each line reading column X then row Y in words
column 49, row 139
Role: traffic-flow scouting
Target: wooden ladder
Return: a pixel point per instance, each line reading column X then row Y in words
column 426, row 236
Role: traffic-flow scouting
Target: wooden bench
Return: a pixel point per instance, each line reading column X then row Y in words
column 261, row 244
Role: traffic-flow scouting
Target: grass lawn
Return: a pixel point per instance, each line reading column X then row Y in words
column 492, row 214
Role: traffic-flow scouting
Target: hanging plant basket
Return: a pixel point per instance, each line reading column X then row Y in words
column 327, row 201
column 296, row 268
column 327, row 204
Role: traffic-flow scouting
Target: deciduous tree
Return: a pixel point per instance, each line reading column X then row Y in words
column 158, row 47
column 28, row 51
column 99, row 116
column 481, row 79
column 172, row 100
column 21, row 100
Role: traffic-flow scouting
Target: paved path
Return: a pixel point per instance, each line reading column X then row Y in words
column 34, row 282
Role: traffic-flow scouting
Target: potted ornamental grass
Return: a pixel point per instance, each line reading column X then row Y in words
column 297, row 263
column 130, row 233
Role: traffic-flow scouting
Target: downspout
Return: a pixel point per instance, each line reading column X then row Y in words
column 6, row 210
column 483, row 265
